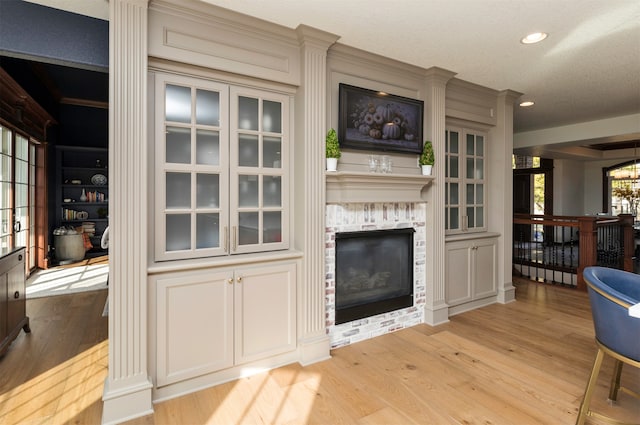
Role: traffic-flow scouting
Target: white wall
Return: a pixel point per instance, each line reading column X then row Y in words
column 568, row 187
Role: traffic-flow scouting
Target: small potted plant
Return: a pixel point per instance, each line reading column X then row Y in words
column 427, row 158
column 332, row 150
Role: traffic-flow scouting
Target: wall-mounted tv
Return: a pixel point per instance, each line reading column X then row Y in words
column 379, row 121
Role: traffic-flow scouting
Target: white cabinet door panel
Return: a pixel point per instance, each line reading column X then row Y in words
column 265, row 311
column 195, row 325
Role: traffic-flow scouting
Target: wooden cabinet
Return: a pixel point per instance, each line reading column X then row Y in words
column 82, row 194
column 13, row 314
column 212, row 319
column 471, row 271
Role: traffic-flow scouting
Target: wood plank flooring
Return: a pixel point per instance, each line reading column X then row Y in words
column 522, row 363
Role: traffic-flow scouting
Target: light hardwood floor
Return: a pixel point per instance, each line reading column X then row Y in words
column 522, row 363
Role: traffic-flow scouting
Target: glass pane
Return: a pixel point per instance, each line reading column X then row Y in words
column 470, row 145
column 470, row 168
column 480, row 217
column 470, row 194
column 272, row 191
column 248, row 151
column 4, row 242
column 446, row 193
column 453, row 142
column 207, row 147
column 479, row 168
column 248, row 232
column 178, row 145
column 178, row 103
column 471, row 220
column 248, row 191
column 446, row 218
column 453, row 218
column 453, row 167
column 5, row 172
column 5, row 215
column 22, row 148
column 207, row 107
column 479, row 146
column 22, row 172
column 207, row 230
column 22, row 191
column 5, row 133
column 271, row 147
column 454, row 194
column 178, row 190
column 207, row 190
column 272, row 227
column 5, row 195
column 479, row 194
column 247, row 113
column 271, row 116
column 178, row 231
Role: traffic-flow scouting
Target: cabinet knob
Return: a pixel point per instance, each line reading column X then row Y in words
column 230, row 281
column 20, row 257
column 239, row 279
column 16, row 295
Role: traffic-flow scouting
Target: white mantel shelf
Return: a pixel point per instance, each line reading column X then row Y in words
column 352, row 186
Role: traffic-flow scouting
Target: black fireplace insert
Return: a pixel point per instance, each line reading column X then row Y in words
column 374, row 272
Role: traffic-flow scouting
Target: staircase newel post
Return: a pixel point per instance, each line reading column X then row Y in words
column 588, row 247
column 626, row 222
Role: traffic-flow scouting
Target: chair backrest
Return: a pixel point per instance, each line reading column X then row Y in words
column 611, row 293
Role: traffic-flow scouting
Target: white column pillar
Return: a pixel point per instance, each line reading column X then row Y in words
column 127, row 391
column 311, row 123
column 501, row 193
column 436, row 309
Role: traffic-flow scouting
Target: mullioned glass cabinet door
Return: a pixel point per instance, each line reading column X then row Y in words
column 259, row 185
column 465, row 196
column 192, row 119
column 221, row 169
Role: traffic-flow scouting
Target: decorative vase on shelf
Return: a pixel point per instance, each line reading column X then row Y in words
column 426, row 170
column 83, row 196
column 332, row 164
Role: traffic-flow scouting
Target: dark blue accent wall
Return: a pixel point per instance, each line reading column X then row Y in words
column 36, row 32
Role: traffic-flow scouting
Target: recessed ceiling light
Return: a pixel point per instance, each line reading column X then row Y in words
column 526, row 103
column 534, row 38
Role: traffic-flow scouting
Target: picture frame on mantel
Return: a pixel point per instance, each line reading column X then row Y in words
column 378, row 121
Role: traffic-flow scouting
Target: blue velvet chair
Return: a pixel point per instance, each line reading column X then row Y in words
column 611, row 293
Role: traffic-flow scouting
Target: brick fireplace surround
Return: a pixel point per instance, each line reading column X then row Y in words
column 352, row 217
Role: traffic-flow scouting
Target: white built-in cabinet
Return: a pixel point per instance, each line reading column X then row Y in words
column 221, row 168
column 471, row 270
column 213, row 319
column 222, row 282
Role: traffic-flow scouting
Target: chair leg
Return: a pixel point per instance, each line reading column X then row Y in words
column 615, row 381
column 591, row 385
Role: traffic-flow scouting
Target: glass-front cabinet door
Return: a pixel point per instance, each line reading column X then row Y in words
column 220, row 174
column 465, row 196
column 258, row 179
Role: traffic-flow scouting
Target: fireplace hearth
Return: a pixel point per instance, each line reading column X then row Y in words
column 373, row 272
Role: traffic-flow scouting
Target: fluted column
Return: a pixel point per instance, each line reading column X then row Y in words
column 501, row 193
column 127, row 392
column 435, row 83
column 311, row 128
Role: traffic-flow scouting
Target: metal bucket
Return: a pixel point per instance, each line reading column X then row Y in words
column 69, row 247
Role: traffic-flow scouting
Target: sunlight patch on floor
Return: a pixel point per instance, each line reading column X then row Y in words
column 59, row 394
column 67, row 280
column 280, row 396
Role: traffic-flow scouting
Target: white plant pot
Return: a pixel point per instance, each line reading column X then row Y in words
column 426, row 170
column 332, row 164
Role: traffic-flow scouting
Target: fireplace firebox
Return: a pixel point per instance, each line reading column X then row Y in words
column 374, row 272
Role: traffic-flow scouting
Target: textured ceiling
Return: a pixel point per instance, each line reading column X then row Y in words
column 587, row 69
